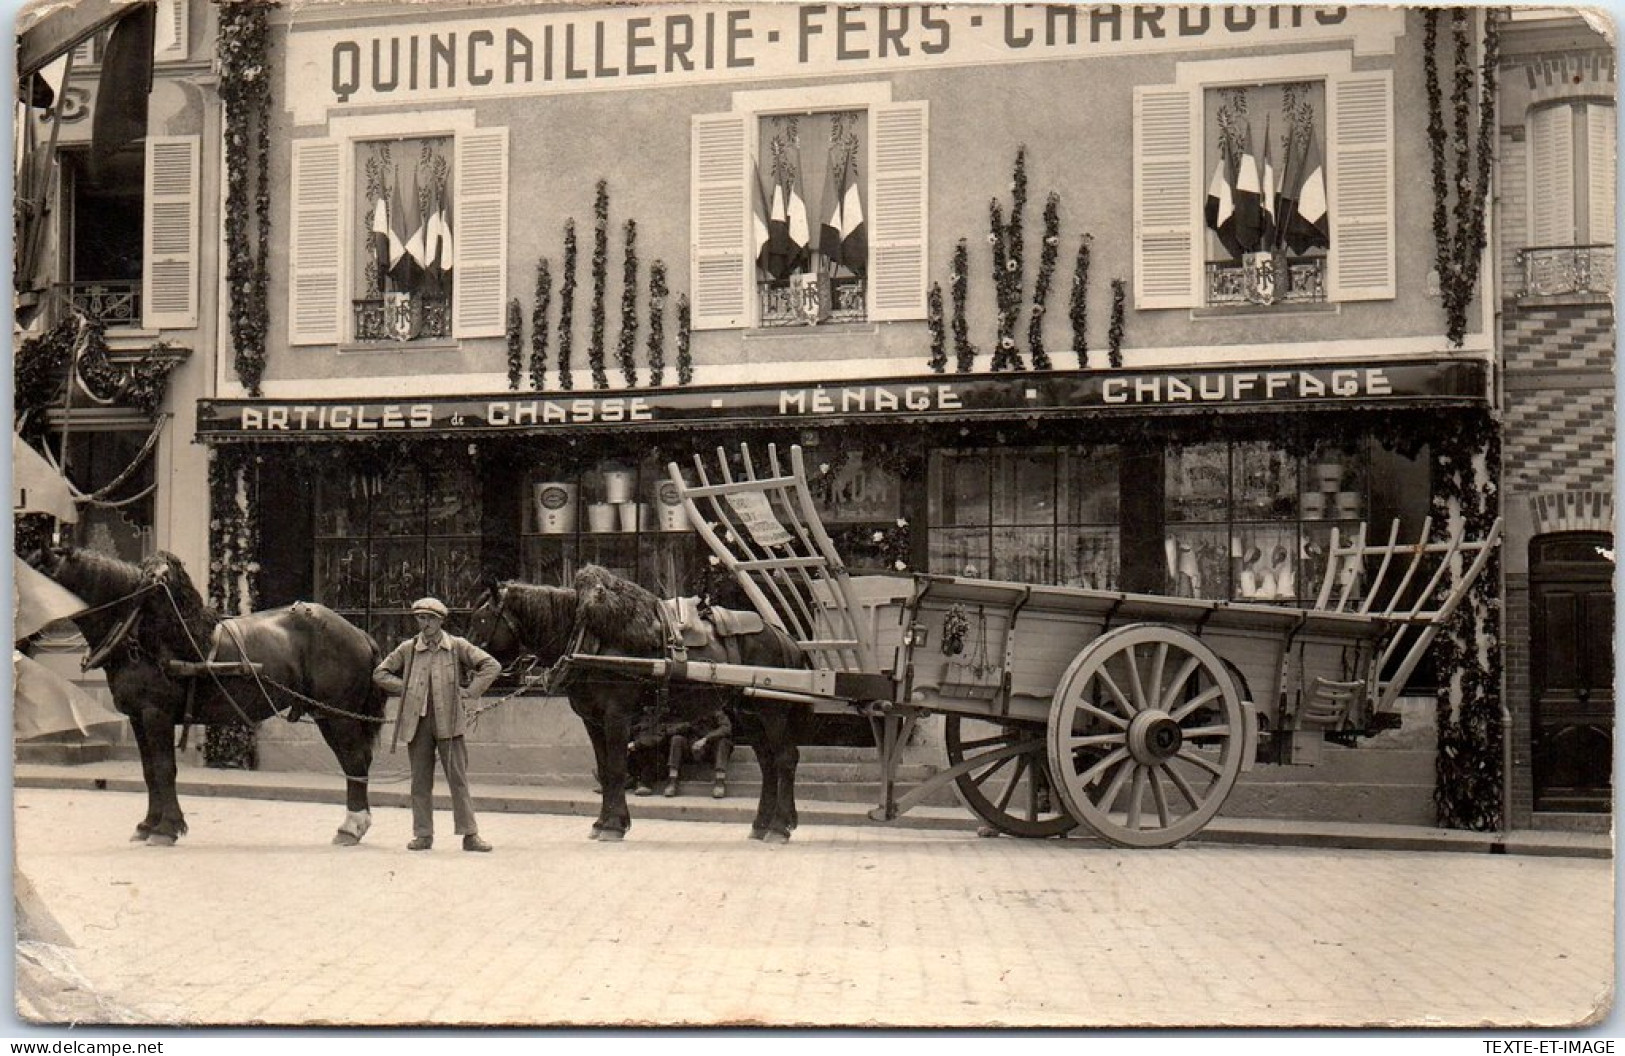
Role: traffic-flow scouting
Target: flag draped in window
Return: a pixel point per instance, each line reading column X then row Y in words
column 829, row 232
column 1220, row 209
column 380, row 237
column 1306, row 226
column 120, row 115
column 799, row 230
column 1267, row 234
column 403, row 225
column 438, row 249
column 854, row 232
column 1248, row 195
column 776, row 257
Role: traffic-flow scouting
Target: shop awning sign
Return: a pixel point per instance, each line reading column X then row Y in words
column 1029, row 396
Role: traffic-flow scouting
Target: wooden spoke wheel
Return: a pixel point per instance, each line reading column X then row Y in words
column 1008, row 785
column 1146, row 735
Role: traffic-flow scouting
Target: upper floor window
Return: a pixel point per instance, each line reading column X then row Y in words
column 399, row 239
column 1571, row 177
column 812, row 249
column 1265, row 207
column 1201, row 187
column 405, row 250
column 809, row 206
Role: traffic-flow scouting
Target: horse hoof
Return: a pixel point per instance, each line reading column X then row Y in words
column 611, row 836
column 159, row 840
column 757, row 834
column 346, row 839
column 139, row 836
column 777, row 838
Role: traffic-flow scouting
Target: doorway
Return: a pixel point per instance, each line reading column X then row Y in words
column 1572, row 671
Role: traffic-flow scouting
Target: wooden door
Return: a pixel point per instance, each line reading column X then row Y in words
column 1572, row 671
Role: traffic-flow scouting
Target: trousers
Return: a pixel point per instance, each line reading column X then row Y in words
column 453, row 753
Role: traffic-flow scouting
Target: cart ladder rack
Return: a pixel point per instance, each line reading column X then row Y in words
column 765, row 530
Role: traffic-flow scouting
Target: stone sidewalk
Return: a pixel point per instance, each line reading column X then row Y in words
column 255, row 919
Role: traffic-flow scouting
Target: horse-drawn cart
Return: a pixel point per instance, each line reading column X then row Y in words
column 1132, row 714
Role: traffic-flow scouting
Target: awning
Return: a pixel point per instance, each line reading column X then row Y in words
column 40, row 600
column 36, row 486
column 48, row 28
column 44, row 702
column 1026, row 396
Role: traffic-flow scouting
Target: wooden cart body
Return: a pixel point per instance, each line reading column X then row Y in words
column 1131, row 713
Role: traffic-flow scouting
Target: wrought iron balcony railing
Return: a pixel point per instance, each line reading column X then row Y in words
column 110, row 303
column 1547, row 271
column 1265, row 279
column 417, row 317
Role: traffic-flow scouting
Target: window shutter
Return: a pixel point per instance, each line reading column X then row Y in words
column 1600, row 139
column 480, row 234
column 170, row 237
column 897, row 230
column 1361, row 189
column 313, row 255
column 1551, row 194
column 169, row 43
column 1167, row 246
column 718, row 208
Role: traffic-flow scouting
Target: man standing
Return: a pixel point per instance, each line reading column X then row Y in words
column 426, row 671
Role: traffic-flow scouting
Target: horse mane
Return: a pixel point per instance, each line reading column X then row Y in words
column 198, row 619
column 96, row 576
column 618, row 612
column 545, row 615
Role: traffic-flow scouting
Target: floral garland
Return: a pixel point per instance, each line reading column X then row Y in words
column 1114, row 335
column 685, row 362
column 657, row 322
column 233, row 583
column 939, row 335
column 891, row 546
column 964, row 351
column 516, row 342
column 628, row 344
column 42, row 365
column 245, row 92
column 1008, row 266
column 600, row 281
column 1041, row 285
column 1080, row 303
column 538, row 324
column 567, row 307
column 1468, row 790
column 1459, row 236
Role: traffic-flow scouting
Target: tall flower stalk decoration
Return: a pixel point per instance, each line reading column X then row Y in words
column 538, row 324
column 600, row 282
column 939, row 332
column 1114, row 334
column 685, row 359
column 1461, row 189
column 567, row 307
column 657, row 322
column 245, row 92
column 516, row 342
column 1046, row 273
column 626, row 348
column 233, row 582
column 1080, row 303
column 964, row 351
column 1009, row 265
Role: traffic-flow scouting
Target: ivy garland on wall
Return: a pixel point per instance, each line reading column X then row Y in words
column 964, row 351
column 245, row 92
column 567, row 306
column 938, row 328
column 516, row 342
column 538, row 324
column 234, row 540
column 600, row 282
column 1046, row 272
column 685, row 360
column 1080, row 303
column 42, row 364
column 1114, row 333
column 657, row 322
column 627, row 346
column 1460, row 197
column 1009, row 266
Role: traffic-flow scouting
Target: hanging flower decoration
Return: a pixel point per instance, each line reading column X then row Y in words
column 1114, row 334
column 955, row 628
column 1046, row 272
column 626, row 347
column 657, row 322
column 245, row 93
column 42, row 365
column 959, row 278
column 1008, row 266
column 538, row 324
column 567, row 307
column 1459, row 235
column 600, row 283
column 1080, row 303
column 939, row 336
column 234, row 535
column 685, row 361
column 889, row 547
column 516, row 342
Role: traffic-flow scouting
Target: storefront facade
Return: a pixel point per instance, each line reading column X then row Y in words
column 966, row 257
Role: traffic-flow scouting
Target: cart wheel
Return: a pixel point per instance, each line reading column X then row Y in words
column 1009, row 786
column 1146, row 735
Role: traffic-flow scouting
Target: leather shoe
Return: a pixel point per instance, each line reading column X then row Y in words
column 420, row 843
column 472, row 842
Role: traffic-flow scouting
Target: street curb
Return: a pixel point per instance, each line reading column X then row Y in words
column 315, row 788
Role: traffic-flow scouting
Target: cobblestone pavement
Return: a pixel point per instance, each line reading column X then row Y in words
column 255, row 919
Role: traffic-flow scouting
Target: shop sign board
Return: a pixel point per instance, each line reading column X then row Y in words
column 549, row 50
column 1035, row 395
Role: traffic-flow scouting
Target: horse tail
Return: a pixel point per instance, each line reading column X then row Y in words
column 377, row 700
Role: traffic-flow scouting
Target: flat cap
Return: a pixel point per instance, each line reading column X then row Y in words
column 432, row 606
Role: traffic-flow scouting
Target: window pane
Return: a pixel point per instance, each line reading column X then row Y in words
column 1089, row 485
column 1198, row 563
column 404, row 240
column 959, row 488
column 812, row 265
column 1089, row 558
column 1266, row 562
column 857, row 490
column 1024, row 488
column 959, row 552
column 1024, row 555
column 1266, row 482
column 1198, row 483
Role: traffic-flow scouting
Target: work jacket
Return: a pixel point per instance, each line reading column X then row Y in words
column 414, row 665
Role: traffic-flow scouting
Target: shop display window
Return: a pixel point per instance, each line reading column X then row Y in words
column 386, row 539
column 622, row 514
column 405, row 243
column 860, row 500
column 1036, row 515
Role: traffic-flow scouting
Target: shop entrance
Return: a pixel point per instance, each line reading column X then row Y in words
column 1572, row 670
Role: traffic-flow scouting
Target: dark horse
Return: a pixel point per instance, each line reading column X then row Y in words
column 606, row 615
column 145, row 618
